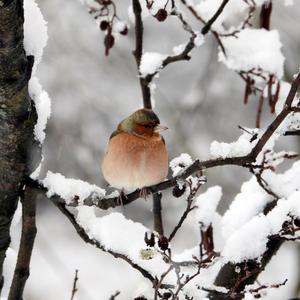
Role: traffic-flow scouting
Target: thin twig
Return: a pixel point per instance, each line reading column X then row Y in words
column 74, row 289
column 115, row 295
column 157, row 215
column 209, row 23
column 188, row 209
column 138, row 52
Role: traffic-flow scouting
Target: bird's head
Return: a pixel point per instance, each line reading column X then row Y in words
column 143, row 122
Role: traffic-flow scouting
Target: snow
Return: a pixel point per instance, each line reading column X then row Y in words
column 35, row 31
column 120, row 235
column 179, row 49
column 283, row 92
column 249, row 202
column 199, row 40
column 68, row 188
column 179, row 164
column 248, row 242
column 252, row 199
column 284, row 207
column 206, row 206
column 254, row 49
column 286, row 183
column 207, row 8
column 43, row 107
column 119, row 26
column 239, row 148
column 151, row 62
column 8, row 271
column 35, row 39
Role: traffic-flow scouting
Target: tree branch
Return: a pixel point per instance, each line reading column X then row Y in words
column 209, row 23
column 29, row 230
column 81, row 232
column 138, row 52
column 157, row 216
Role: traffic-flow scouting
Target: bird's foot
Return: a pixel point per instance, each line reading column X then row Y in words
column 144, row 192
column 122, row 196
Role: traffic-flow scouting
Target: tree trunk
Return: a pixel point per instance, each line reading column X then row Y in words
column 17, row 117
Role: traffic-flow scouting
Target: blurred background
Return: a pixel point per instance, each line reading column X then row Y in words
column 200, row 101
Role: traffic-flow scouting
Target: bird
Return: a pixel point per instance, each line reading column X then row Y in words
column 136, row 155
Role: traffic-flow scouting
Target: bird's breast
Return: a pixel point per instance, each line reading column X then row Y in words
column 133, row 162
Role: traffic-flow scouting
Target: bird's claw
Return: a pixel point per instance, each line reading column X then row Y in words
column 144, row 192
column 122, row 196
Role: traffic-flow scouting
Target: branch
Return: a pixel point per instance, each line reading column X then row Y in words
column 81, row 232
column 209, row 23
column 158, row 222
column 138, row 52
column 74, row 289
column 29, row 230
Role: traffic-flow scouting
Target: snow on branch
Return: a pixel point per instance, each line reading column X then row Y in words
column 35, row 40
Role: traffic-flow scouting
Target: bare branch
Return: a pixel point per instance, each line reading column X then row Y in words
column 29, row 230
column 74, row 289
column 138, row 52
column 158, row 222
column 209, row 23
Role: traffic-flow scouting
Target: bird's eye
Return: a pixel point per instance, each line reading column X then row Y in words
column 147, row 126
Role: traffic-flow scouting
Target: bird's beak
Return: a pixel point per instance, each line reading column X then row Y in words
column 159, row 128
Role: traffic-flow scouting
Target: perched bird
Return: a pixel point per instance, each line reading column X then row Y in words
column 136, row 155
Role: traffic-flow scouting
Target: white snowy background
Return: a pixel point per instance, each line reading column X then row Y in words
column 201, row 103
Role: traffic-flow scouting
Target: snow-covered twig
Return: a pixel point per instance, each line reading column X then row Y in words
column 81, row 232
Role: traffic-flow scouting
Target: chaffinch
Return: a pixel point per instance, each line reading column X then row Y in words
column 136, row 155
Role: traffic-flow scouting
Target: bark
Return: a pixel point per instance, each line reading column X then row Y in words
column 17, row 116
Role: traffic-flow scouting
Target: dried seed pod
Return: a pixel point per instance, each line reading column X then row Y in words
column 163, row 243
column 124, row 31
column 178, row 191
column 150, row 242
column 297, row 222
column 161, row 15
column 104, row 25
column 166, row 295
column 109, row 42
